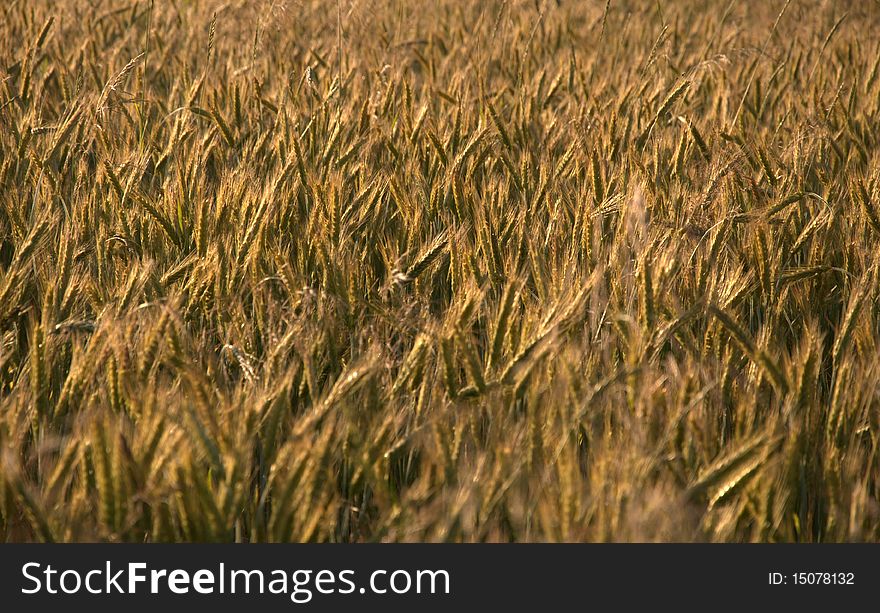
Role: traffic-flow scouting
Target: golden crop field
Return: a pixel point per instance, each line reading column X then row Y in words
column 374, row 270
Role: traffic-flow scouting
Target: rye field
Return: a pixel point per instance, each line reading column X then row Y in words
column 374, row 270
